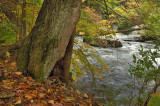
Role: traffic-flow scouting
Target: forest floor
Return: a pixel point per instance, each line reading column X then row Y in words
column 17, row 89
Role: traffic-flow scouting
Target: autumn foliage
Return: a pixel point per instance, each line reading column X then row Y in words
column 17, row 89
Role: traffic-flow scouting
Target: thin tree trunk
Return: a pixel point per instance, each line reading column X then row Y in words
column 23, row 21
column 17, row 13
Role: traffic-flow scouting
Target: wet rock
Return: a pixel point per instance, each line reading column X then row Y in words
column 114, row 43
column 95, row 41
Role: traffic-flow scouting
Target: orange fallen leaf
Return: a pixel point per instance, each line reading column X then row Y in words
column 51, row 102
column 13, row 64
column 49, row 91
column 41, row 95
column 28, row 96
column 6, row 61
column 30, row 78
column 18, row 73
column 6, row 81
column 24, row 87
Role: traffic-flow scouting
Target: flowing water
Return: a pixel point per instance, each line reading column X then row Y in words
column 114, row 85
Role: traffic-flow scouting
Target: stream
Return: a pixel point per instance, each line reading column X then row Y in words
column 114, row 85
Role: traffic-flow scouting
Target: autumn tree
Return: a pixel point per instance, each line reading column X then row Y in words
column 47, row 49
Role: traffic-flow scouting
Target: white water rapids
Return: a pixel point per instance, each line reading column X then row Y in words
column 115, row 81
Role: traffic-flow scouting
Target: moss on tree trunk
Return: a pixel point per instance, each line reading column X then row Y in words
column 49, row 45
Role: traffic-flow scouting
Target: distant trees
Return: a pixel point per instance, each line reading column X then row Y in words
column 20, row 13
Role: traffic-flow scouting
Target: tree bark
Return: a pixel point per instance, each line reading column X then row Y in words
column 23, row 18
column 23, row 21
column 48, row 47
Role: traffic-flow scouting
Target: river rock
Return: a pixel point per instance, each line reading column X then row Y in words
column 98, row 42
column 114, row 43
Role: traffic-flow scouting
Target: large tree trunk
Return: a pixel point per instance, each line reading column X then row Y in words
column 48, row 48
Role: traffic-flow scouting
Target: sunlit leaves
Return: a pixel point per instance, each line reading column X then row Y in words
column 83, row 55
column 91, row 23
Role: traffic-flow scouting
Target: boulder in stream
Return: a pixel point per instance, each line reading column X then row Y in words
column 98, row 42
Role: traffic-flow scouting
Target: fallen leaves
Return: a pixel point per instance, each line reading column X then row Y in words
column 18, row 73
column 57, row 104
column 85, row 95
column 51, row 102
column 26, row 91
column 13, row 64
column 18, row 102
column 28, row 96
column 6, row 61
column 6, row 94
column 41, row 95
column 19, row 91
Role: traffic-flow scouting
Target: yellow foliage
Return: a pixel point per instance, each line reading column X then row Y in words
column 92, row 14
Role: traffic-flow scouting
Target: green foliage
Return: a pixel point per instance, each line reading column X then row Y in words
column 7, row 29
column 111, row 94
column 150, row 15
column 10, row 32
column 105, row 7
column 125, row 23
column 145, row 70
column 90, row 23
column 154, row 101
column 145, row 66
column 38, row 2
column 152, row 24
column 7, row 32
column 81, row 65
column 136, row 12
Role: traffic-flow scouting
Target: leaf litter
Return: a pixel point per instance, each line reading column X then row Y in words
column 19, row 90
